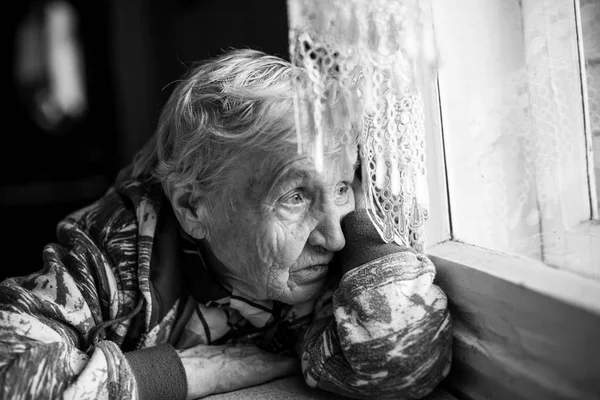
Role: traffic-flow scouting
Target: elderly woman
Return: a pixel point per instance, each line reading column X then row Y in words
column 222, row 258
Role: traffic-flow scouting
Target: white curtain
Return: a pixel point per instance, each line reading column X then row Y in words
column 367, row 61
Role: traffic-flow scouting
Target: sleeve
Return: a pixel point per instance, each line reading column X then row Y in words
column 390, row 332
column 47, row 324
column 52, row 338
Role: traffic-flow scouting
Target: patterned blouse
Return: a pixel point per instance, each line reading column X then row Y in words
column 122, row 277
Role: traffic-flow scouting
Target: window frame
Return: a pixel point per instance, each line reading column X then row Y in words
column 594, row 205
column 582, row 233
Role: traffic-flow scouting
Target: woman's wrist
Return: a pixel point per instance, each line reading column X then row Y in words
column 158, row 372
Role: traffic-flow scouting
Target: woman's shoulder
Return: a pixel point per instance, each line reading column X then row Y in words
column 129, row 208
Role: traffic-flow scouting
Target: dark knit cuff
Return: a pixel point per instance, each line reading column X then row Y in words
column 159, row 373
column 363, row 243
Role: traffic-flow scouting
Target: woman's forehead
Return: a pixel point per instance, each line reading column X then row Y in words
column 261, row 172
column 293, row 164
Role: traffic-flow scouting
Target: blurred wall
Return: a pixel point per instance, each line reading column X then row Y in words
column 132, row 51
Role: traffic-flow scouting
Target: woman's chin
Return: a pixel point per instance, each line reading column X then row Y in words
column 304, row 293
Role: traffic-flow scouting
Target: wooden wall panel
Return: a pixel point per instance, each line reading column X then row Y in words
column 513, row 341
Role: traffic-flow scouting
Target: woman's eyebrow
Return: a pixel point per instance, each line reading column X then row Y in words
column 293, row 169
column 290, row 175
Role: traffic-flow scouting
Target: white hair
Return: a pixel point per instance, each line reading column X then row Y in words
column 220, row 110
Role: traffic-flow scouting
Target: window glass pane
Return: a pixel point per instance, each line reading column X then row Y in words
column 512, row 112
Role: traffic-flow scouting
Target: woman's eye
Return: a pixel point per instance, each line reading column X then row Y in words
column 296, row 198
column 342, row 192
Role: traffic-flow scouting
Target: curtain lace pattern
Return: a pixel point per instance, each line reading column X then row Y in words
column 366, row 62
column 535, row 116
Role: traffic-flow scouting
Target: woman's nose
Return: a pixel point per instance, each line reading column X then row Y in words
column 328, row 232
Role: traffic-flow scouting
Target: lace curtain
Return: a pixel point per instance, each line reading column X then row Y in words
column 366, row 63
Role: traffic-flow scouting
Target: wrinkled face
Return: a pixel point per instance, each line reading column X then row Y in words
column 285, row 227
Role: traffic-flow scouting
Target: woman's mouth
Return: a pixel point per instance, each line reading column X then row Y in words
column 310, row 274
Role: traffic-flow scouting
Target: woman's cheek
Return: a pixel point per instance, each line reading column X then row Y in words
column 276, row 243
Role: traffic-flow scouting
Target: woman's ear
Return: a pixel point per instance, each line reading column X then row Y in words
column 190, row 211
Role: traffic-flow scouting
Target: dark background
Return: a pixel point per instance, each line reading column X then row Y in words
column 133, row 50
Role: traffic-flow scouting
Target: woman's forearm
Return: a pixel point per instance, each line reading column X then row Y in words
column 218, row 369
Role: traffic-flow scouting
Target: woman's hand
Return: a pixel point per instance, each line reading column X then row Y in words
column 218, row 369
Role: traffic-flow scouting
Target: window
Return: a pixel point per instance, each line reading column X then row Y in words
column 517, row 127
column 513, row 162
